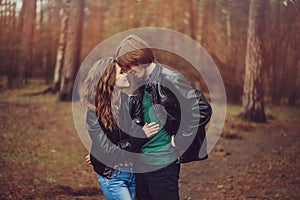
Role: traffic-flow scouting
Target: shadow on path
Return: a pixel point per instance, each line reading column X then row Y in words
column 68, row 191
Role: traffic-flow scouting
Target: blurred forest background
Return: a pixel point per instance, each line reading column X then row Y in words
column 254, row 43
column 44, row 38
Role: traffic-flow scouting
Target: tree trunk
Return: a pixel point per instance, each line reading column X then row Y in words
column 71, row 61
column 253, row 102
column 8, row 41
column 56, row 20
column 228, row 33
column 193, row 19
column 28, row 14
column 40, row 46
column 61, row 47
column 201, row 20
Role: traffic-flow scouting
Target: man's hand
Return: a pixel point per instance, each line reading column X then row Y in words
column 173, row 141
column 88, row 159
column 151, row 129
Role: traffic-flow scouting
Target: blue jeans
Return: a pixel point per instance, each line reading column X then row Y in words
column 121, row 186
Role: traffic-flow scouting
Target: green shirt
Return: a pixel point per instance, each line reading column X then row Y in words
column 158, row 150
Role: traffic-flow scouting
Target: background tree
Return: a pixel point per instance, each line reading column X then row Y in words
column 220, row 26
column 292, row 87
column 61, row 44
column 71, row 61
column 52, row 28
column 8, row 41
column 201, row 19
column 27, row 25
column 253, row 101
column 279, row 50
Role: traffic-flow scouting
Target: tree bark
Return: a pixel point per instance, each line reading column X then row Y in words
column 253, row 102
column 28, row 14
column 228, row 32
column 201, row 20
column 61, row 46
column 57, row 20
column 193, row 19
column 8, row 41
column 71, row 61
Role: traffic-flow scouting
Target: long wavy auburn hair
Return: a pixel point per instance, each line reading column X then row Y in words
column 98, row 90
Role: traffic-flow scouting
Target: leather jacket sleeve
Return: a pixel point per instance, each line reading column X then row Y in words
column 196, row 110
column 205, row 109
column 102, row 147
column 133, row 123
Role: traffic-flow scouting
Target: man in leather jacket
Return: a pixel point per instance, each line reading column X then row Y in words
column 180, row 110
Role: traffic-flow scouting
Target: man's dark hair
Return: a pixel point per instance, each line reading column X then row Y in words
column 133, row 51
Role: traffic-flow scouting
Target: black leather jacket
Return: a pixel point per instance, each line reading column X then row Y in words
column 108, row 147
column 184, row 110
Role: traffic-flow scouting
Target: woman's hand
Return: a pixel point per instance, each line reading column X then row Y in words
column 88, row 159
column 151, row 129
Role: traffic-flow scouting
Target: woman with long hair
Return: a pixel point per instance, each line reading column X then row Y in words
column 106, row 123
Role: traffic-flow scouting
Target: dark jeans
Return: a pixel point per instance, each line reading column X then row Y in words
column 161, row 184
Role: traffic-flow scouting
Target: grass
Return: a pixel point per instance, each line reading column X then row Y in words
column 41, row 153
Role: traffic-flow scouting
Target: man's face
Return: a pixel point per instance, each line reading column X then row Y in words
column 137, row 71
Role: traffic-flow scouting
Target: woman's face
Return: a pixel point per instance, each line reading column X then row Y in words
column 121, row 78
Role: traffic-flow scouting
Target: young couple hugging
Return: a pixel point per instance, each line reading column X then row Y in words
column 140, row 139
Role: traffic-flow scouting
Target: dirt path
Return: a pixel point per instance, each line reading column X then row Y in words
column 42, row 156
